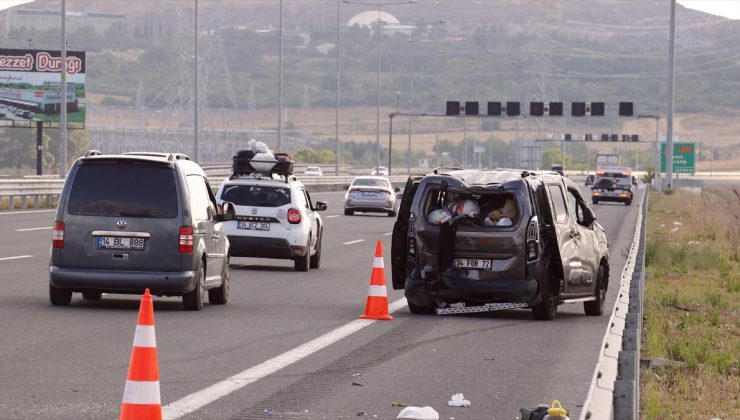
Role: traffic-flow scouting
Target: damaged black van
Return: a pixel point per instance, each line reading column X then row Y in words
column 473, row 241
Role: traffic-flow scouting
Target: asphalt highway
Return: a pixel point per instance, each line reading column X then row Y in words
column 288, row 344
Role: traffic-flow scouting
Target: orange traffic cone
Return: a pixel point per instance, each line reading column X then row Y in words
column 141, row 395
column 377, row 296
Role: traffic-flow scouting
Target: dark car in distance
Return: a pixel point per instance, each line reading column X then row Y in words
column 471, row 238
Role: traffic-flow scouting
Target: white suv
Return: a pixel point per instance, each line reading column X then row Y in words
column 275, row 218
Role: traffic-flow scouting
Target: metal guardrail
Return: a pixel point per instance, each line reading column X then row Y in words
column 615, row 386
column 33, row 192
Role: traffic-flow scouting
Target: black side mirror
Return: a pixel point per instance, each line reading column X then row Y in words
column 320, row 206
column 397, row 189
column 588, row 216
column 228, row 212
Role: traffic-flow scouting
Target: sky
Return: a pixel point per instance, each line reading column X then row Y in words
column 726, row 8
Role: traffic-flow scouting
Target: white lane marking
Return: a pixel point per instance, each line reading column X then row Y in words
column 198, row 399
column 16, row 258
column 388, row 234
column 333, row 216
column 354, row 242
column 25, row 212
column 30, row 229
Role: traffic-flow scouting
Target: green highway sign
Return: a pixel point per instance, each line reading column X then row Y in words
column 684, row 158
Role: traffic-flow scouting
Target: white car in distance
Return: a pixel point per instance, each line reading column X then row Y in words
column 372, row 194
column 313, row 171
column 380, row 171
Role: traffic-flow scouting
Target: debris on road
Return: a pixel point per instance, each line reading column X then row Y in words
column 397, row 404
column 418, row 413
column 458, row 400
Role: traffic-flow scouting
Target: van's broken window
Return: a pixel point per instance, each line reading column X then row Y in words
column 472, row 210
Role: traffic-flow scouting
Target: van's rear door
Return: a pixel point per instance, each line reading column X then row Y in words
column 122, row 214
column 399, row 242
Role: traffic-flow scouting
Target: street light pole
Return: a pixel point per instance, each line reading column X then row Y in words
column 377, row 116
column 657, row 147
column 671, row 82
column 63, row 99
column 280, row 80
column 336, row 162
column 196, row 93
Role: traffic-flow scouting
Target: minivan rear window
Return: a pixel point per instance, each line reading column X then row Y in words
column 256, row 195
column 128, row 189
column 472, row 210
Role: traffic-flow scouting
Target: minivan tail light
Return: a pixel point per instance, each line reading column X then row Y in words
column 533, row 239
column 186, row 239
column 57, row 236
column 294, row 216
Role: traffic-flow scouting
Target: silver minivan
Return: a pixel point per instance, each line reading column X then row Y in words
column 129, row 222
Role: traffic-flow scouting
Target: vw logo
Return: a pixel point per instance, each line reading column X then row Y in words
column 121, row 223
column 469, row 242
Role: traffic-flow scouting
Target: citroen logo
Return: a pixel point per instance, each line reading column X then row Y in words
column 121, row 223
column 469, row 242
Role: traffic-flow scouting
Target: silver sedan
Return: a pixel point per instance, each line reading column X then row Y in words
column 370, row 194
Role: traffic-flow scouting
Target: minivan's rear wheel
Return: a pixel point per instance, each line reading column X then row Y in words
column 546, row 309
column 316, row 258
column 220, row 295
column 302, row 263
column 420, row 310
column 59, row 296
column 91, row 295
column 596, row 307
column 193, row 301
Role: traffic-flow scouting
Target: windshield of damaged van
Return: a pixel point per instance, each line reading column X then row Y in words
column 472, row 210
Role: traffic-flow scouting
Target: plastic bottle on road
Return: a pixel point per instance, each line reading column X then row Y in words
column 556, row 412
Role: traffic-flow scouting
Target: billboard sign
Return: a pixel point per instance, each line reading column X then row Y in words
column 684, row 158
column 30, row 85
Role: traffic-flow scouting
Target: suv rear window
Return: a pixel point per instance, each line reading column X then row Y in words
column 481, row 210
column 129, row 189
column 256, row 195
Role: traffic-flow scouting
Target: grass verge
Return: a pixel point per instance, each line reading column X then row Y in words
column 691, row 306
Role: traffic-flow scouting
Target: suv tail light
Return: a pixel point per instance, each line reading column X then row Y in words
column 533, row 239
column 57, row 236
column 186, row 239
column 294, row 216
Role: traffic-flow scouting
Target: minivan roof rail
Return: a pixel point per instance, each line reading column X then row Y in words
column 168, row 156
column 437, row 170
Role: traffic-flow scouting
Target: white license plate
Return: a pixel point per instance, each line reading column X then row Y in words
column 119, row 242
column 253, row 225
column 472, row 263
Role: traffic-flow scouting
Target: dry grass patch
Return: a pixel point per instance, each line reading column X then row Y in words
column 692, row 307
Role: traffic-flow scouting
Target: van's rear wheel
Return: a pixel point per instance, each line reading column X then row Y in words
column 220, row 295
column 596, row 307
column 59, row 296
column 193, row 301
